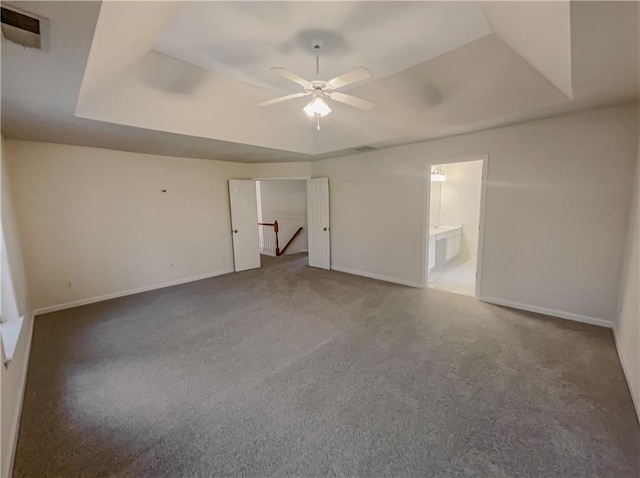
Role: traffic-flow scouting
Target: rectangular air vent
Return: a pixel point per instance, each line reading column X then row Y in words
column 364, row 149
column 24, row 28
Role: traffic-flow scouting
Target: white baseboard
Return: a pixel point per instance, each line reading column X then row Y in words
column 115, row 295
column 377, row 277
column 15, row 426
column 552, row 312
column 634, row 398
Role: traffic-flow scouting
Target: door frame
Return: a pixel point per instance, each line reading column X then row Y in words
column 483, row 209
column 283, row 178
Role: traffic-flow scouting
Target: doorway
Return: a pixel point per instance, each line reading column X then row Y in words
column 303, row 208
column 282, row 217
column 455, row 225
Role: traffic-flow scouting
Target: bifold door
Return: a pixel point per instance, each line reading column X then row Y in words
column 244, row 224
column 318, row 223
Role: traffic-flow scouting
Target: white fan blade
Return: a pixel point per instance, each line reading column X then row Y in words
column 283, row 98
column 351, row 100
column 354, row 76
column 283, row 72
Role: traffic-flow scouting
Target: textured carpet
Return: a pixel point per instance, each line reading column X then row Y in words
column 289, row 370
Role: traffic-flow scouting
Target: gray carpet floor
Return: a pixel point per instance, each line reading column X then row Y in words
column 293, row 371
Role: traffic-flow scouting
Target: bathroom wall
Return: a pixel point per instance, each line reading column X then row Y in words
column 460, row 202
column 434, row 204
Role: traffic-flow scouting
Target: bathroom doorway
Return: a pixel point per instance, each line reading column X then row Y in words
column 455, row 225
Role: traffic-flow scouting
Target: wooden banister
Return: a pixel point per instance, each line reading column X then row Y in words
column 290, row 241
column 273, row 224
column 276, row 228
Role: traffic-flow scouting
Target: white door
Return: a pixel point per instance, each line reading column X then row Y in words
column 318, row 223
column 244, row 224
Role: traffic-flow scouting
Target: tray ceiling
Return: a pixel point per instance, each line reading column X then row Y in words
column 243, row 40
column 184, row 78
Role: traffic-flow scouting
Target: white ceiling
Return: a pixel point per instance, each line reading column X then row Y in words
column 243, row 40
column 104, row 83
column 540, row 32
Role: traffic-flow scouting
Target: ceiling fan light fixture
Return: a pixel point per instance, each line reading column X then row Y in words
column 317, row 106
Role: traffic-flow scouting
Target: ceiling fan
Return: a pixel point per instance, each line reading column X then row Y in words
column 319, row 89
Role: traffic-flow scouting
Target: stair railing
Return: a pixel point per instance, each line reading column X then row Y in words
column 268, row 234
column 269, row 241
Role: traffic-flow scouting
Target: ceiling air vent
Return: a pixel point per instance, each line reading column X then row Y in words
column 24, row 28
column 364, row 149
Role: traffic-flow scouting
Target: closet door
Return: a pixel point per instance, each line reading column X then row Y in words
column 318, row 223
column 244, row 224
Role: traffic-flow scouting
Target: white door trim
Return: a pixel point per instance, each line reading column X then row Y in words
column 284, row 178
column 483, row 209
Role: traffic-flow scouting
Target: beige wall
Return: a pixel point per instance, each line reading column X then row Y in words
column 627, row 328
column 12, row 377
column 94, row 222
column 556, row 210
column 555, row 222
column 281, row 170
